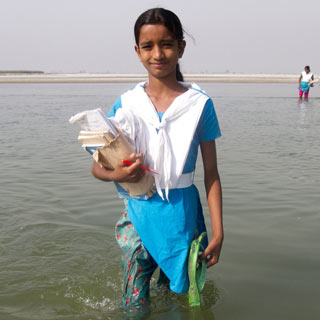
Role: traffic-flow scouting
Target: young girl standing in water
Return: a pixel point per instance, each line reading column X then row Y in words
column 172, row 119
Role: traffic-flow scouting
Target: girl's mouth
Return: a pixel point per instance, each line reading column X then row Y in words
column 158, row 64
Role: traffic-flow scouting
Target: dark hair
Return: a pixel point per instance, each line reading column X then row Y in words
column 166, row 18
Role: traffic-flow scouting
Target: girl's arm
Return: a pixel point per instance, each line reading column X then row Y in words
column 214, row 197
column 122, row 172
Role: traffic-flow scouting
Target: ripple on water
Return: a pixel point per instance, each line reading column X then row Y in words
column 63, row 269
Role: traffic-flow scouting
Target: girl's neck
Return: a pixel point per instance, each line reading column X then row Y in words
column 162, row 93
column 159, row 87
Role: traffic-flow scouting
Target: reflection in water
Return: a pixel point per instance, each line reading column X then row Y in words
column 175, row 306
column 308, row 117
column 303, row 111
column 168, row 305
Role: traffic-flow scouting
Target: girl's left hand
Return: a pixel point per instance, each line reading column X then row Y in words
column 212, row 252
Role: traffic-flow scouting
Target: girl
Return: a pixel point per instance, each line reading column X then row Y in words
column 304, row 82
column 172, row 119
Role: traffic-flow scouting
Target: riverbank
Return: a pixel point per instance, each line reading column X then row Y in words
column 114, row 78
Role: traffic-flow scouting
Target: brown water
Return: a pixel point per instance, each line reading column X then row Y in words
column 58, row 256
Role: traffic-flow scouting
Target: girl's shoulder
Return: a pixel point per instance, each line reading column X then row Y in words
column 116, row 106
column 208, row 127
column 118, row 103
column 197, row 88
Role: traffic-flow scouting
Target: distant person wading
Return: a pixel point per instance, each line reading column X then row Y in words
column 305, row 82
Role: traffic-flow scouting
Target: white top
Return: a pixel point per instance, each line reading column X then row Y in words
column 306, row 77
column 165, row 144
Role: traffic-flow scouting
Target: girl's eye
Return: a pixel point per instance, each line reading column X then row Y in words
column 167, row 44
column 146, row 46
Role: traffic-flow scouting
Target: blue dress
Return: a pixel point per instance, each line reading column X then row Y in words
column 168, row 228
column 305, row 86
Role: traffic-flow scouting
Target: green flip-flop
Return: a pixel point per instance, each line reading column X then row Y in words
column 196, row 272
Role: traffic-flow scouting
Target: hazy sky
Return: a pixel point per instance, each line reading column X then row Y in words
column 248, row 36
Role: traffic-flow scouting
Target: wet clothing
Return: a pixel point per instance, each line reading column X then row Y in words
column 137, row 264
column 304, row 90
column 304, row 87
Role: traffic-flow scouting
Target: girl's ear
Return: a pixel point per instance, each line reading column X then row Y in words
column 182, row 45
column 136, row 48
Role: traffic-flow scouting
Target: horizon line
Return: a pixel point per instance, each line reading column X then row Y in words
column 39, row 77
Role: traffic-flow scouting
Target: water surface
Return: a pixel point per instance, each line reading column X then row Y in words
column 58, row 256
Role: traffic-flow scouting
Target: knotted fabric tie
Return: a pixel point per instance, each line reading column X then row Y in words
column 165, row 143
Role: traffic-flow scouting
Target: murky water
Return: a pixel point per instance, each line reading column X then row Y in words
column 58, row 256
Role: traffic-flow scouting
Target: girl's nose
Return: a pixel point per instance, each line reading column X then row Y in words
column 158, row 54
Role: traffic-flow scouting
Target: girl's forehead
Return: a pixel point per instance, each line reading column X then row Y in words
column 154, row 31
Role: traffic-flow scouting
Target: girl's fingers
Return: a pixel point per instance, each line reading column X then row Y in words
column 133, row 157
column 130, row 171
column 133, row 171
column 211, row 261
column 211, row 254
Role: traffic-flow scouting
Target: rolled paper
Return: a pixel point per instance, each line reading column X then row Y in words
column 96, row 138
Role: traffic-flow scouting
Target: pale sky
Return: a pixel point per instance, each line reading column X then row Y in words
column 247, row 36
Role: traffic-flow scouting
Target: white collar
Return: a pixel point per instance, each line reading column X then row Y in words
column 165, row 143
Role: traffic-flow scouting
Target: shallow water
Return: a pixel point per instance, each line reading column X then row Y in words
column 58, row 256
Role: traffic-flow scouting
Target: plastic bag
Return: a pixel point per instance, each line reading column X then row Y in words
column 94, row 120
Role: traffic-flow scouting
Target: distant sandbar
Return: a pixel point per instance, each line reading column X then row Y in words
column 114, row 78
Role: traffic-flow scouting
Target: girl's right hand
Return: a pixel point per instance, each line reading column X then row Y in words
column 129, row 173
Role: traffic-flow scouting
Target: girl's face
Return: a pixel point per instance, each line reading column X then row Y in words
column 159, row 51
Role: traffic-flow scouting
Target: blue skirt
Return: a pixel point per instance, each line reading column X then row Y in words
column 167, row 230
column 304, row 86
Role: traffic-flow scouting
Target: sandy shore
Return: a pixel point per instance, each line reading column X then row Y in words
column 112, row 78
